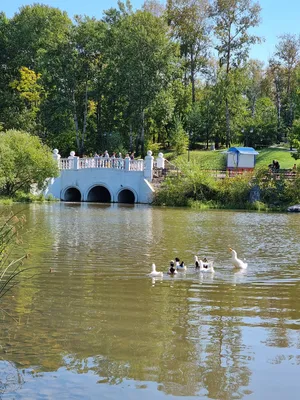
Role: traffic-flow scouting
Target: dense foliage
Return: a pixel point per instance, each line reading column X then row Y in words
column 197, row 187
column 24, row 161
column 154, row 77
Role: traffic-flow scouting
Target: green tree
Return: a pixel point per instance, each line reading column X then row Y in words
column 30, row 92
column 34, row 34
column 24, row 161
column 287, row 56
column 260, row 129
column 232, row 21
column 142, row 57
column 188, row 20
column 255, row 75
column 295, row 138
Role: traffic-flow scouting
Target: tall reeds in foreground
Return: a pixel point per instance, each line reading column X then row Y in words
column 10, row 270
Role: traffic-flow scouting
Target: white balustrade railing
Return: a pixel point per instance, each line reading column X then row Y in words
column 65, row 163
column 126, row 164
column 136, row 165
column 100, row 162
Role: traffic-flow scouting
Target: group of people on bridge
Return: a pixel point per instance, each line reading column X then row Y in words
column 113, row 156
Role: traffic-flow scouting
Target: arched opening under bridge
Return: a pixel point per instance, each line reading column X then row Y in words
column 72, row 194
column 126, row 196
column 99, row 194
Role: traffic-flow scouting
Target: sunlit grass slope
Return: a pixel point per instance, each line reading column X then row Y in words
column 217, row 159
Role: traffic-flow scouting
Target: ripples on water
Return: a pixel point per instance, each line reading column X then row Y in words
column 98, row 327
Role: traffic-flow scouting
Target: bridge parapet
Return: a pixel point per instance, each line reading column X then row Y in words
column 73, row 162
column 103, row 179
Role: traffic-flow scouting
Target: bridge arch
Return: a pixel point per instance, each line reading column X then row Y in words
column 126, row 195
column 99, row 193
column 71, row 194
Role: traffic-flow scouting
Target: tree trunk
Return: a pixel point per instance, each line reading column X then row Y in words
column 130, row 138
column 99, row 121
column 76, row 121
column 278, row 106
column 84, row 118
column 143, row 134
column 228, row 138
column 217, row 142
column 193, row 77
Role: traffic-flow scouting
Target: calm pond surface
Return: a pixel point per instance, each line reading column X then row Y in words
column 99, row 327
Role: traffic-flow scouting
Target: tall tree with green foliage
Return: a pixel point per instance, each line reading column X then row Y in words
column 287, row 55
column 143, row 61
column 188, row 20
column 29, row 36
column 232, row 21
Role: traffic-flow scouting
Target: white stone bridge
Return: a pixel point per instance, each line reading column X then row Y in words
column 104, row 179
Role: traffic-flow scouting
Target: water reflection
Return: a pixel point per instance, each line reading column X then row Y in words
column 239, row 276
column 11, row 379
column 155, row 280
column 100, row 322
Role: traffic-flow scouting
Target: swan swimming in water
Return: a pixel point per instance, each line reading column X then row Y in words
column 154, row 273
column 207, row 266
column 236, row 261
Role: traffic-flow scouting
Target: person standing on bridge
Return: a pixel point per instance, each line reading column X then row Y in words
column 113, row 159
column 120, row 161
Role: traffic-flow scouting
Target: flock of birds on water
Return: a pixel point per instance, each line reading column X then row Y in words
column 200, row 265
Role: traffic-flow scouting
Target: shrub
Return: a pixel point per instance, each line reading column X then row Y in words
column 24, row 160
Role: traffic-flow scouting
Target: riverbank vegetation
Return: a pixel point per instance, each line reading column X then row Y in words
column 25, row 165
column 171, row 77
column 163, row 76
column 10, row 269
column 259, row 190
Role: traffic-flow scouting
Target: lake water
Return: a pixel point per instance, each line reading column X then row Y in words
column 98, row 327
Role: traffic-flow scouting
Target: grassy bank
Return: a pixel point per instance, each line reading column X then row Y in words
column 208, row 159
column 196, row 188
column 21, row 197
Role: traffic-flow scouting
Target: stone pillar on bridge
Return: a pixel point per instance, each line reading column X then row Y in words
column 148, row 171
column 160, row 161
column 56, row 156
column 74, row 160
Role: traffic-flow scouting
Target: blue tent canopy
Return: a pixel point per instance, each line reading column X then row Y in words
column 242, row 150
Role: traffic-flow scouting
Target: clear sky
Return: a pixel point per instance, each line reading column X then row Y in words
column 278, row 17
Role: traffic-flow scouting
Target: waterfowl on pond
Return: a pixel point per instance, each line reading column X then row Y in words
column 154, row 273
column 181, row 266
column 207, row 266
column 172, row 269
column 236, row 261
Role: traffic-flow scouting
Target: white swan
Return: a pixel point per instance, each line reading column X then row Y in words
column 154, row 272
column 204, row 266
column 236, row 261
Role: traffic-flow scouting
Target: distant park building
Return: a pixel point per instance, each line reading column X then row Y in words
column 241, row 158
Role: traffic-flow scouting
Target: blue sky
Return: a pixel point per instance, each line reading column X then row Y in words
column 278, row 17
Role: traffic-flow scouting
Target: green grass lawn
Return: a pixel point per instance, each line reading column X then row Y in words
column 283, row 156
column 217, row 159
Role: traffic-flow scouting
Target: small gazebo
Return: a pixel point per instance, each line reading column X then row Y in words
column 241, row 158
